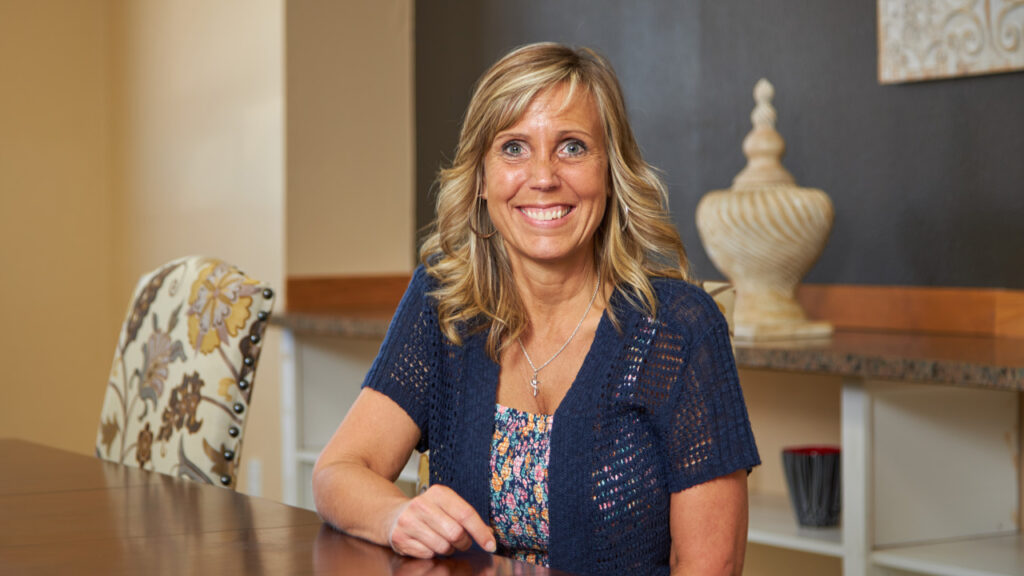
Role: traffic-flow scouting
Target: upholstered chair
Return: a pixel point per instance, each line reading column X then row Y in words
column 178, row 395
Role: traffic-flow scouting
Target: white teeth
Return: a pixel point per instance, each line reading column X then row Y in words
column 547, row 213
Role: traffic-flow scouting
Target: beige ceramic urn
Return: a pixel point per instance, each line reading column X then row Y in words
column 765, row 233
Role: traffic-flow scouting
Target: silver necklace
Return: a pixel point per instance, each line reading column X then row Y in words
column 535, row 382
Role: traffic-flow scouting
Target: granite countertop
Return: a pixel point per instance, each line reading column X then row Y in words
column 368, row 324
column 975, row 362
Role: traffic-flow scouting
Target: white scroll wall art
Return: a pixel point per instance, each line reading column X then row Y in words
column 930, row 39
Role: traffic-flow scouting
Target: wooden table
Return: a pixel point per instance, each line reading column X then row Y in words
column 65, row 513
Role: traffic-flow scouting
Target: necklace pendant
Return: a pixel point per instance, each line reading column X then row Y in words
column 534, row 382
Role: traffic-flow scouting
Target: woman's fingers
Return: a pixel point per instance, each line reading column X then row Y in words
column 469, row 522
column 464, row 542
column 438, row 522
column 412, row 535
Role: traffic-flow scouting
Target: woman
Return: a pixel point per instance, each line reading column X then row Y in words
column 578, row 397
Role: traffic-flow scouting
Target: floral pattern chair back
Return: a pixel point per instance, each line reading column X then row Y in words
column 180, row 386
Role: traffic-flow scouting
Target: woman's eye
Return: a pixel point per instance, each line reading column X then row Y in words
column 512, row 148
column 574, row 147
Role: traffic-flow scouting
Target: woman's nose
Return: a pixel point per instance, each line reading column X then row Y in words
column 544, row 174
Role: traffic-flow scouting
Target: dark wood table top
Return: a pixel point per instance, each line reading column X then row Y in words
column 65, row 513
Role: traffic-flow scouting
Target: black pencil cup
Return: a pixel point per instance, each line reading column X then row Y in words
column 813, row 479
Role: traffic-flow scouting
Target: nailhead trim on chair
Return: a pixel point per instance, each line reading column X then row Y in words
column 182, row 377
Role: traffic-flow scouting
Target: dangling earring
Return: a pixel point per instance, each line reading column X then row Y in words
column 625, row 215
column 475, row 216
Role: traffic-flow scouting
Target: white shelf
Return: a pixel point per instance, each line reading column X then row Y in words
column 772, row 523
column 989, row 556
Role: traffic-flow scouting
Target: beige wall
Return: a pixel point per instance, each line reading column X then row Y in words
column 56, row 241
column 136, row 131
column 351, row 206
column 350, row 179
column 199, row 131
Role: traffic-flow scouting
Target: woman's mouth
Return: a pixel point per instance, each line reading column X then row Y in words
column 546, row 214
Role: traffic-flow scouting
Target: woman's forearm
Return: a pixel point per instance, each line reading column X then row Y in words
column 354, row 490
column 357, row 500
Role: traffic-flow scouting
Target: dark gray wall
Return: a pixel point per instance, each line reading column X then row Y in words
column 927, row 179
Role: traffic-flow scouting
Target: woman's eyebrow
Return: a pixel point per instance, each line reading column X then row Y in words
column 560, row 134
column 573, row 132
column 513, row 135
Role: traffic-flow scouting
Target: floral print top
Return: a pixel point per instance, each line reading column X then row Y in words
column 520, row 449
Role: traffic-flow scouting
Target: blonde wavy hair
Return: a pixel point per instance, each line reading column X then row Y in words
column 635, row 241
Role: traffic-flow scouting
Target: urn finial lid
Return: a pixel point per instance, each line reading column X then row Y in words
column 763, row 145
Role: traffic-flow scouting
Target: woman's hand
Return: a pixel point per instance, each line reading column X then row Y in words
column 437, row 522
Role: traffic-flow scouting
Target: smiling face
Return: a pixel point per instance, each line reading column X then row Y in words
column 546, row 180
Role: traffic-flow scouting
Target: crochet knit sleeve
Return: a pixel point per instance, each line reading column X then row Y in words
column 406, row 365
column 704, row 424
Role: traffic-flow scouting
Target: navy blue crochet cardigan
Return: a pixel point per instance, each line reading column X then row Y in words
column 654, row 410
